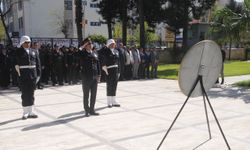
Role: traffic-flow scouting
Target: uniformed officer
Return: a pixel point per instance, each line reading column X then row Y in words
column 29, row 71
column 110, row 64
column 90, row 69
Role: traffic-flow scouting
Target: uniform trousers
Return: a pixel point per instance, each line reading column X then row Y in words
column 89, row 85
column 27, row 88
column 112, row 80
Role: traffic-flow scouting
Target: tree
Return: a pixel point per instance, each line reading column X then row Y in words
column 123, row 15
column 178, row 13
column 98, row 38
column 78, row 5
column 2, row 32
column 231, row 21
column 109, row 11
column 63, row 25
column 3, row 13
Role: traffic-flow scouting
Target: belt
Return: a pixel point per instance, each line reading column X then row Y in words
column 27, row 67
column 112, row 66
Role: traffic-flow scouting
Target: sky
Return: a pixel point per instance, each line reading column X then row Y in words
column 239, row 0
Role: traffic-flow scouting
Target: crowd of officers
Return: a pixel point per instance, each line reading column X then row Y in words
column 61, row 65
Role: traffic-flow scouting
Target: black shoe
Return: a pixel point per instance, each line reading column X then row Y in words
column 33, row 116
column 94, row 113
column 222, row 81
column 109, row 106
column 40, row 87
column 86, row 114
column 116, row 105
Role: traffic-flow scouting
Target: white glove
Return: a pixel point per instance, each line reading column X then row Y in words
column 18, row 70
column 105, row 69
column 37, row 79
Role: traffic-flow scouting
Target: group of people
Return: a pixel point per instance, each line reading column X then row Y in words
column 61, row 65
column 29, row 71
column 31, row 66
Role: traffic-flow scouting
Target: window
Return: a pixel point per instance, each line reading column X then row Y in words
column 93, row 5
column 11, row 26
column 95, row 23
column 20, row 22
column 20, row 5
column 68, row 4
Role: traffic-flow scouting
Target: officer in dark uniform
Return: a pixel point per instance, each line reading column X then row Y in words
column 57, row 66
column 69, row 64
column 110, row 64
column 122, row 57
column 29, row 70
column 90, row 69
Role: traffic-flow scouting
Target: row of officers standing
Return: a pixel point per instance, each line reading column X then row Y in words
column 34, row 65
column 29, row 70
column 62, row 65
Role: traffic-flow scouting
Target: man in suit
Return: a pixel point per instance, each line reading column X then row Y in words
column 29, row 71
column 91, row 74
column 110, row 65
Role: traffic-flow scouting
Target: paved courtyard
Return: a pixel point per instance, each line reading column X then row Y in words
column 148, row 108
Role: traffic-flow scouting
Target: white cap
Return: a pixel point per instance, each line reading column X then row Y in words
column 110, row 41
column 24, row 39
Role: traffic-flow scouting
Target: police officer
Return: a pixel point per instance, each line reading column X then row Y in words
column 90, row 75
column 110, row 64
column 29, row 71
column 57, row 66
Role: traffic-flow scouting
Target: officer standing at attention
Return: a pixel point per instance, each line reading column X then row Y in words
column 110, row 65
column 91, row 74
column 29, row 71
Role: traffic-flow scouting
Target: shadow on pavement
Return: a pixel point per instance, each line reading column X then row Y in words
column 9, row 121
column 232, row 92
column 52, row 123
column 80, row 112
column 78, row 115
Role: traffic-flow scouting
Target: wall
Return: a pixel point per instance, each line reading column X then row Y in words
column 41, row 17
column 236, row 54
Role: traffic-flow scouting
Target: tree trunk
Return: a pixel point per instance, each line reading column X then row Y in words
column 185, row 29
column 124, row 22
column 9, row 41
column 109, row 22
column 230, row 48
column 78, row 4
column 142, row 26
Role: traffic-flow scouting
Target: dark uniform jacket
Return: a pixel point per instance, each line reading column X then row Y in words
column 90, row 66
column 108, row 58
column 25, row 59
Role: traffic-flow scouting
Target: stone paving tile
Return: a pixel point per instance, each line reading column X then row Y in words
column 148, row 109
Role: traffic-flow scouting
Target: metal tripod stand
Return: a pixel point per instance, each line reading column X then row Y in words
column 205, row 98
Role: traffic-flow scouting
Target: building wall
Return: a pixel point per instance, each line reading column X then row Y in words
column 41, row 18
column 93, row 25
column 44, row 18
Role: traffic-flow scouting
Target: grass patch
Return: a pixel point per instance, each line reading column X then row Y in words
column 231, row 68
column 236, row 68
column 243, row 83
column 168, row 71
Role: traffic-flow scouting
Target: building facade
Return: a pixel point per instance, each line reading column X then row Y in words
column 52, row 19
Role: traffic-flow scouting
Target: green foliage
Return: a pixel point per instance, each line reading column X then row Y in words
column 2, row 32
column 98, row 38
column 230, row 23
column 245, row 83
column 247, row 3
column 150, row 35
column 117, row 31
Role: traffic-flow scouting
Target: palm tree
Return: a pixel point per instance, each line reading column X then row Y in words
column 227, row 25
